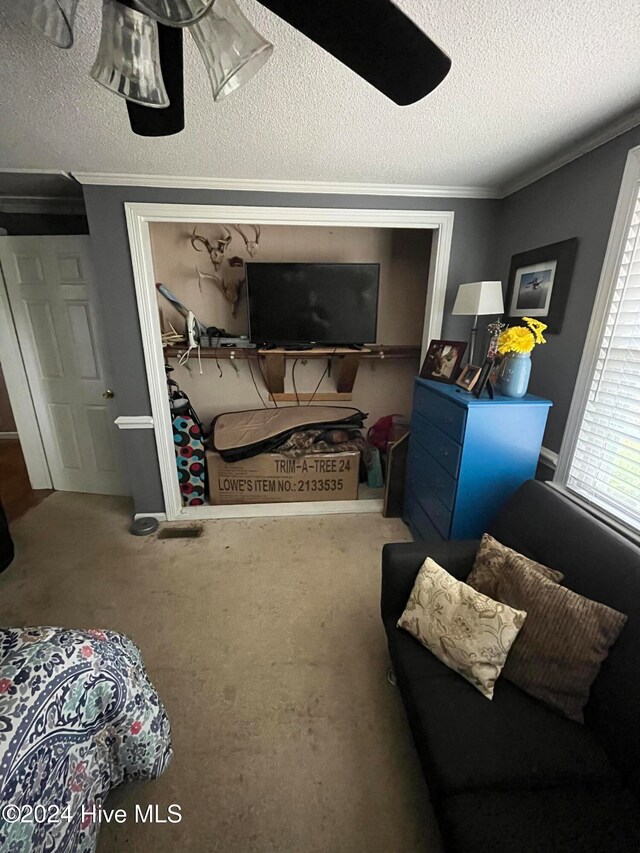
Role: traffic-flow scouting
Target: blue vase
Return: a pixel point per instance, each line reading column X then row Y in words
column 514, row 380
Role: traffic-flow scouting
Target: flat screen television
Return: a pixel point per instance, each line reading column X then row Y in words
column 330, row 304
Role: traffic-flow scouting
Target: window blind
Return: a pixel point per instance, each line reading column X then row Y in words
column 605, row 467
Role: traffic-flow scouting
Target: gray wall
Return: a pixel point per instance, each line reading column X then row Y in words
column 577, row 200
column 473, row 257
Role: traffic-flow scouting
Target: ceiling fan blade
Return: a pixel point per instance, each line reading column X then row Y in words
column 375, row 39
column 150, row 121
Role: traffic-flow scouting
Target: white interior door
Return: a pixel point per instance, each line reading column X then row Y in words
column 50, row 287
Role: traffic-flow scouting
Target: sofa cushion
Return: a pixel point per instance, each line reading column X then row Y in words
column 466, row 743
column 401, row 563
column 468, row 631
column 410, row 659
column 564, row 640
column 492, row 559
column 598, row 819
column 602, row 565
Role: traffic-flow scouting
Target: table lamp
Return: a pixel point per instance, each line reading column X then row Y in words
column 478, row 297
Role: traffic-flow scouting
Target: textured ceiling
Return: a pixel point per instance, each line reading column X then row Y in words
column 529, row 78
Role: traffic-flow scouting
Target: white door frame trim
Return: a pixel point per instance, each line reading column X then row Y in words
column 19, row 392
column 139, row 215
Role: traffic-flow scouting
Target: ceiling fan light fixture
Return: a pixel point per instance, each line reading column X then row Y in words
column 230, row 46
column 128, row 59
column 54, row 19
column 175, row 13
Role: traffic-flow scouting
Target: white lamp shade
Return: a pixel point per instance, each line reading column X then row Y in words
column 479, row 297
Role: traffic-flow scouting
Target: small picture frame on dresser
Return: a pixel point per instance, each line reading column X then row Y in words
column 442, row 360
column 469, row 376
column 484, row 379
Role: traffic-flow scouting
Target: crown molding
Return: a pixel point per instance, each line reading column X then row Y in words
column 42, row 205
column 568, row 155
column 59, row 173
column 261, row 185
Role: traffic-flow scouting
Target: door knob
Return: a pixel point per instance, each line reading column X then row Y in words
column 108, row 394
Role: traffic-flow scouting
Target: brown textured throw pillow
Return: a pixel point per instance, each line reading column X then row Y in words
column 565, row 638
column 490, row 562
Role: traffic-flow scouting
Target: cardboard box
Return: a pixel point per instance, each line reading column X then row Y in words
column 273, row 478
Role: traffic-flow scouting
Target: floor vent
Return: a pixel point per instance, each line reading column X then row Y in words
column 181, row 531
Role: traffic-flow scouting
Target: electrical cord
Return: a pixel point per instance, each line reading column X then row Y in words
column 335, row 349
column 264, row 379
column 255, row 385
column 217, row 360
column 293, row 377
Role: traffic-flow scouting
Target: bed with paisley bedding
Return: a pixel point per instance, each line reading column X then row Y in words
column 78, row 716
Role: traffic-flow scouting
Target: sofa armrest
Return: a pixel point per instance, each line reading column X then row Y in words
column 401, row 563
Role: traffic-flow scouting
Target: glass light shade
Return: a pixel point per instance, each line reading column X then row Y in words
column 128, row 60
column 53, row 18
column 175, row 13
column 232, row 49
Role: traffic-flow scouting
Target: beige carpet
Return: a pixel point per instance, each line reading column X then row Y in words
column 263, row 638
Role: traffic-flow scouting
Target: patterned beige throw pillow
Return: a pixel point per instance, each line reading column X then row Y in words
column 466, row 630
column 492, row 560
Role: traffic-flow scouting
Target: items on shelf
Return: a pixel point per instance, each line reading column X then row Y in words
column 182, row 309
column 188, row 437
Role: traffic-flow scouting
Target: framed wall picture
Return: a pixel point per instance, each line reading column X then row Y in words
column 468, row 377
column 539, row 282
column 442, row 360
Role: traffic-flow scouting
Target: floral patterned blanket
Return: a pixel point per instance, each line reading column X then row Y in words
column 78, row 716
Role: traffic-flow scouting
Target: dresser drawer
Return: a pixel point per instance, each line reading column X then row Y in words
column 434, row 508
column 445, row 451
column 421, row 465
column 418, row 521
column 443, row 413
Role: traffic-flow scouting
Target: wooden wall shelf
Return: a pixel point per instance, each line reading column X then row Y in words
column 374, row 351
column 274, row 362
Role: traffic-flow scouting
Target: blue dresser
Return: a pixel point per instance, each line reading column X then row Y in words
column 467, row 457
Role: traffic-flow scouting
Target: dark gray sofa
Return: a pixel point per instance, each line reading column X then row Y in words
column 511, row 774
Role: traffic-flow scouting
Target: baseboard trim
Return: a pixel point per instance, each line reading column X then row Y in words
column 280, row 510
column 548, row 458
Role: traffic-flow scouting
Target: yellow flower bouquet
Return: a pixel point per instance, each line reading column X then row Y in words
column 521, row 339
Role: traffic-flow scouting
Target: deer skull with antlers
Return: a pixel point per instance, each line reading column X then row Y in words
column 252, row 245
column 230, row 289
column 217, row 249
